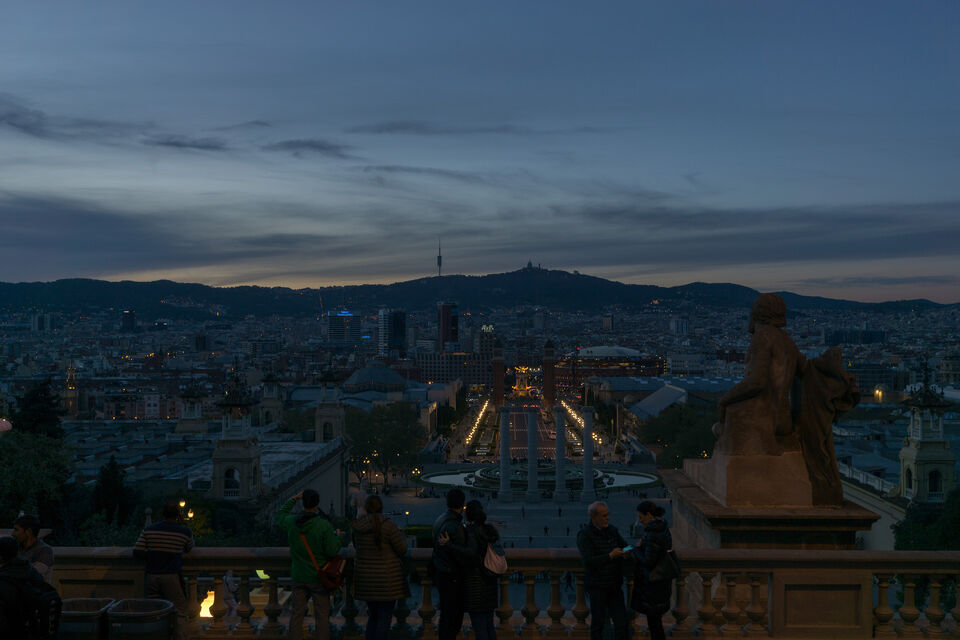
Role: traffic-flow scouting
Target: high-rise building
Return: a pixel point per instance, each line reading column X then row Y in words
column 128, row 320
column 448, row 326
column 392, row 333
column 343, row 328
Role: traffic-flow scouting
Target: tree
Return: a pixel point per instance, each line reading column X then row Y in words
column 111, row 497
column 390, row 436
column 683, row 431
column 929, row 526
column 38, row 411
column 446, row 416
column 33, row 471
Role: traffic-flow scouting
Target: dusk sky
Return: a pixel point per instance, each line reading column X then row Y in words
column 805, row 146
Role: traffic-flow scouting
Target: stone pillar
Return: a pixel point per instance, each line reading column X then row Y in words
column 560, row 493
column 506, row 493
column 588, row 494
column 549, row 379
column 499, row 374
column 533, row 487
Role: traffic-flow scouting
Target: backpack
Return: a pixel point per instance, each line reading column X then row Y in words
column 494, row 561
column 41, row 609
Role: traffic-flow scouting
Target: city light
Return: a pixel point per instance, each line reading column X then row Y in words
column 476, row 424
column 579, row 420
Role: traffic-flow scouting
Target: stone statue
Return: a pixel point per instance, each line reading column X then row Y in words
column 754, row 416
column 786, row 404
column 827, row 392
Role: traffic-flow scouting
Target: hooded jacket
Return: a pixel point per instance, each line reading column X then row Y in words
column 320, row 535
column 16, row 572
column 655, row 542
column 379, row 574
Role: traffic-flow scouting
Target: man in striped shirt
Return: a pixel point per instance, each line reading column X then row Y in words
column 163, row 545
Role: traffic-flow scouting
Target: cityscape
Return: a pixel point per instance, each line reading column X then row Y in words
column 635, row 320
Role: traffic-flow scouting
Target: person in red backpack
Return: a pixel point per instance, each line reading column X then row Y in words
column 324, row 543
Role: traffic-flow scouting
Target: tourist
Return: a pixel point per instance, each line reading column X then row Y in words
column 480, row 587
column 602, row 551
column 378, row 579
column 651, row 591
column 324, row 543
column 449, row 571
column 162, row 545
column 15, row 574
column 26, row 530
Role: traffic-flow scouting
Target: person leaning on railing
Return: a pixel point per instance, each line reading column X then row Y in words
column 602, row 551
column 378, row 579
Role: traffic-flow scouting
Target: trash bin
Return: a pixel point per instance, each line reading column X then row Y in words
column 84, row 618
column 141, row 619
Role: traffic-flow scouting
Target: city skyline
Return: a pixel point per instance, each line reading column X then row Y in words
column 809, row 148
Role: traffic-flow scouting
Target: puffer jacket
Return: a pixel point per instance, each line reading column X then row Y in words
column 445, row 560
column 378, row 576
column 480, row 589
column 655, row 542
column 595, row 546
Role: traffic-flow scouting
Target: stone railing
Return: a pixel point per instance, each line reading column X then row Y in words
column 865, row 478
column 730, row 592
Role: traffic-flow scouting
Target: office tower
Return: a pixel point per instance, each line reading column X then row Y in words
column 343, row 328
column 448, row 326
column 128, row 320
column 392, row 333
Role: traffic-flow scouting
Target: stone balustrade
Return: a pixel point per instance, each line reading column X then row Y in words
column 728, row 593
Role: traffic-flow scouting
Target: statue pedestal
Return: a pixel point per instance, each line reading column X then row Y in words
column 702, row 521
column 754, row 480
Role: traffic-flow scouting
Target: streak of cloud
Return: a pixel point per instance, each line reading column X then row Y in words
column 300, row 147
column 184, row 142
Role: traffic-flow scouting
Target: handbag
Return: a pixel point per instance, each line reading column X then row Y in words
column 330, row 574
column 667, row 568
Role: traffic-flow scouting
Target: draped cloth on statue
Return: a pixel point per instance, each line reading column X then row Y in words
column 827, row 391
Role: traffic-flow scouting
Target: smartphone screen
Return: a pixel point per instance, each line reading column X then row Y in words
column 629, row 547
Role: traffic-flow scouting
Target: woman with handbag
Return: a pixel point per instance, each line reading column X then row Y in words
column 655, row 568
column 480, row 584
column 378, row 579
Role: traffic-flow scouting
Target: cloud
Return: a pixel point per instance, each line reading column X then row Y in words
column 425, row 128
column 14, row 113
column 877, row 281
column 302, row 146
column 449, row 174
column 250, row 124
column 184, row 142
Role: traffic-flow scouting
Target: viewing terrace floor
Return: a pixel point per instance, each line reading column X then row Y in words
column 724, row 593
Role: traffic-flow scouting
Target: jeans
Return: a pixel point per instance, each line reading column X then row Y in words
column 483, row 628
column 607, row 603
column 169, row 586
column 379, row 615
column 303, row 591
column 655, row 624
column 450, row 587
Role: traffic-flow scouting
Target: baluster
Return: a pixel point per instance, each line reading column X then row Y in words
column 933, row 612
column 505, row 611
column 633, row 618
column 555, row 610
column 219, row 608
column 272, row 628
column 955, row 612
column 909, row 612
column 530, row 609
column 580, row 610
column 883, row 614
column 244, row 606
column 427, row 610
column 349, row 609
column 400, row 612
column 707, row 611
column 681, row 610
column 757, row 627
column 731, row 611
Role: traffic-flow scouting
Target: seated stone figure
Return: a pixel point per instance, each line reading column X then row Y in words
column 754, row 416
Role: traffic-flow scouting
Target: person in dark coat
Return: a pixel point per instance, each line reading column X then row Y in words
column 651, row 592
column 479, row 587
column 15, row 574
column 602, row 551
column 446, row 562
column 378, row 578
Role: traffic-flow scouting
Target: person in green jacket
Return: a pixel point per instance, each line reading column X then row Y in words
column 324, row 543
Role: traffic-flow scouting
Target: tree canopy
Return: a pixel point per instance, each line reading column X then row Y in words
column 38, row 411
column 930, row 526
column 33, row 471
column 389, row 437
column 683, row 431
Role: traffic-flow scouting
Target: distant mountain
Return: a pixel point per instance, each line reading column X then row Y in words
column 553, row 289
